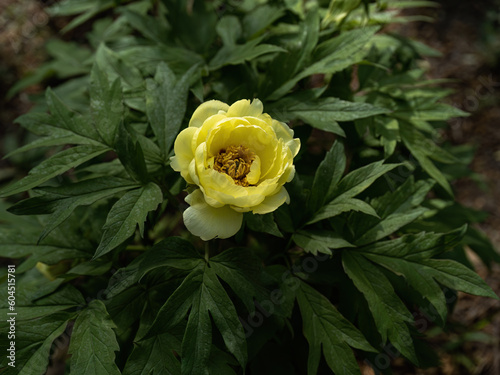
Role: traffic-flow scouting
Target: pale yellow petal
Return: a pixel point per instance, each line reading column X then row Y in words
column 245, row 108
column 254, row 175
column 208, row 222
column 183, row 153
column 282, row 158
column 209, row 124
column 206, row 110
column 221, row 187
column 221, row 135
column 294, row 146
column 272, row 202
column 284, row 132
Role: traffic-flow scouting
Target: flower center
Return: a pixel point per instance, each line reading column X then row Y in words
column 235, row 161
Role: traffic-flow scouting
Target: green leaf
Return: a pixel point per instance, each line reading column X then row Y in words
column 54, row 166
column 455, row 275
column 58, row 140
column 34, row 340
column 259, row 18
column 239, row 53
column 49, row 128
column 229, row 29
column 106, row 106
column 172, row 252
column 409, row 255
column 125, row 214
column 417, row 276
column 203, row 296
column 390, row 314
column 360, row 179
column 152, row 28
column 30, row 306
column 221, row 363
column 332, row 56
column 263, row 223
column 319, row 241
column 65, row 118
column 88, row 8
column 286, row 65
column 337, row 12
column 241, row 269
column 324, row 113
column 417, row 247
column 113, row 66
column 148, row 57
column 436, row 112
column 389, row 225
column 166, row 99
column 396, row 209
column 50, row 255
column 211, row 297
column 154, row 356
column 325, row 328
column 327, row 176
column 352, row 184
column 340, row 205
column 403, row 256
column 414, row 4
column 93, row 342
column 412, row 140
column 91, row 268
column 12, row 247
column 193, row 24
column 131, row 155
column 61, row 201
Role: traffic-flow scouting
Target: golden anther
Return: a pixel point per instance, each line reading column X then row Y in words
column 235, row 161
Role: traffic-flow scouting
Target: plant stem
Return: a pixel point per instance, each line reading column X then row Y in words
column 207, row 251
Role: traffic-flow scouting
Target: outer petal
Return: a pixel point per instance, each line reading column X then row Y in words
column 284, row 132
column 208, row 222
column 183, row 153
column 245, row 108
column 272, row 202
column 205, row 110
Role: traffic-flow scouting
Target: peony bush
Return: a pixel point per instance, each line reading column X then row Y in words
column 240, row 158
column 305, row 227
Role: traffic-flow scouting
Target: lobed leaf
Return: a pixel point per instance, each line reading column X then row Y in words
column 93, row 341
column 166, row 100
column 106, row 106
column 63, row 200
column 54, row 166
column 332, row 56
column 126, row 214
column 319, row 241
column 173, row 252
column 390, row 314
column 325, row 328
column 34, row 340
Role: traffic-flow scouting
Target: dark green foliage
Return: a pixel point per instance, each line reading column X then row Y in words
column 371, row 232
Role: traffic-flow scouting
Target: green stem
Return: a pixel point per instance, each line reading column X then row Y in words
column 207, row 251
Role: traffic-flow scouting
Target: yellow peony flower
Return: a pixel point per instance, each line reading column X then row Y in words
column 240, row 158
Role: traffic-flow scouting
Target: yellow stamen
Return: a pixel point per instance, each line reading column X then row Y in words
column 235, row 161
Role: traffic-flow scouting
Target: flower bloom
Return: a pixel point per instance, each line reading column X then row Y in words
column 240, row 158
